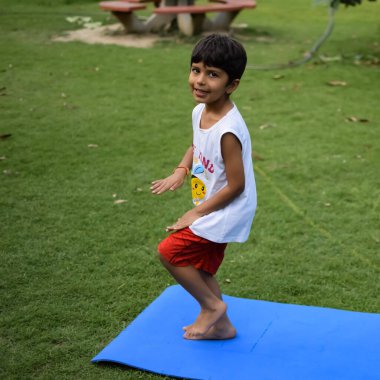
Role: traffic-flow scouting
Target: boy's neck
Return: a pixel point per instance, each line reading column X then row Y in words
column 220, row 107
column 214, row 112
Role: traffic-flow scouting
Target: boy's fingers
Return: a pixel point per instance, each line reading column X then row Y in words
column 173, row 227
column 157, row 181
column 155, row 185
column 159, row 187
column 162, row 187
column 176, row 227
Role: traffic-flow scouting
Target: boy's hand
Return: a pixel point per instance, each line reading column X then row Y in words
column 185, row 221
column 172, row 183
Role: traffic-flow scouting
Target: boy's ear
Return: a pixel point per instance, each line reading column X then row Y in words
column 232, row 86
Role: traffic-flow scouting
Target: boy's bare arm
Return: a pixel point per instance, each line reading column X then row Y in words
column 233, row 160
column 177, row 179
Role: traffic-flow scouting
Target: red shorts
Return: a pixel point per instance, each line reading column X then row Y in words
column 183, row 248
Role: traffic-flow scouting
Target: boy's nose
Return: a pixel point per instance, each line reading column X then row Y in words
column 201, row 79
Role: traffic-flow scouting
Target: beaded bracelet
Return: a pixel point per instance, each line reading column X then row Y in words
column 182, row 167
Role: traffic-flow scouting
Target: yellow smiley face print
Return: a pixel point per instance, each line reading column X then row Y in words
column 198, row 190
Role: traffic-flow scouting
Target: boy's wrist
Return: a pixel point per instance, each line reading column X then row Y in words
column 184, row 168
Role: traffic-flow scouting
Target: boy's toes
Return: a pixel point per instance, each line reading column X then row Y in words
column 193, row 334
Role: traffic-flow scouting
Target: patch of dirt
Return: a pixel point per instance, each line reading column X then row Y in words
column 109, row 34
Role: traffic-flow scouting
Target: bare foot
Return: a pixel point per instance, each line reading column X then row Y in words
column 218, row 333
column 204, row 321
column 221, row 330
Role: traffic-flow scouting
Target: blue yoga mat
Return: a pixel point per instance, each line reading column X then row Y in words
column 275, row 342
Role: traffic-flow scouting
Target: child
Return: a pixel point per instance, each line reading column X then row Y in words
column 223, row 185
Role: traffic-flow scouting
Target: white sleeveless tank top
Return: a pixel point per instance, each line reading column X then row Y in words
column 233, row 222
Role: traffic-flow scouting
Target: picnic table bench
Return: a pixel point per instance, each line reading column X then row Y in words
column 191, row 18
column 123, row 11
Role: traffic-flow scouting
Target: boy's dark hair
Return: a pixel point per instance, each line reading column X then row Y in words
column 222, row 52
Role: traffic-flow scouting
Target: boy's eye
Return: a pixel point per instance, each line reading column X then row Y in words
column 213, row 74
column 195, row 70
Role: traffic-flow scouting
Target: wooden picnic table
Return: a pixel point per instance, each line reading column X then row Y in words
column 191, row 18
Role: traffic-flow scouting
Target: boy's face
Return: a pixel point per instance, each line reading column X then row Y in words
column 209, row 85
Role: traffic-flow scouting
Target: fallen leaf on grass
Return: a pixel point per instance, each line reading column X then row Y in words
column 93, row 146
column 278, row 76
column 337, row 83
column 5, row 136
column 355, row 119
column 256, row 156
column 86, row 22
column 72, row 19
column 264, row 39
column 70, row 106
column 2, row 158
column 296, row 87
column 78, row 19
column 92, row 25
column 241, row 26
column 119, row 201
column 227, row 280
column 325, row 59
column 265, row 126
column 368, row 60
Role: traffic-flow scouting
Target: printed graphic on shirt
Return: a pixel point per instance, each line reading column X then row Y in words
column 198, row 169
column 207, row 164
column 202, row 171
column 198, row 190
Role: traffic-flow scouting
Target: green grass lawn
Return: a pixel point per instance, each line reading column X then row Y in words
column 92, row 124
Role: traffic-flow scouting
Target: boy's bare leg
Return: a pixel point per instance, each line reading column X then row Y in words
column 212, row 307
column 223, row 328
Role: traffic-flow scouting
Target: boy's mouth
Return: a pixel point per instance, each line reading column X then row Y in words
column 200, row 92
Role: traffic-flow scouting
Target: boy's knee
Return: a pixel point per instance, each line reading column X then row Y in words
column 161, row 258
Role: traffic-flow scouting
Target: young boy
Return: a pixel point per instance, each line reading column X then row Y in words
column 223, row 185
